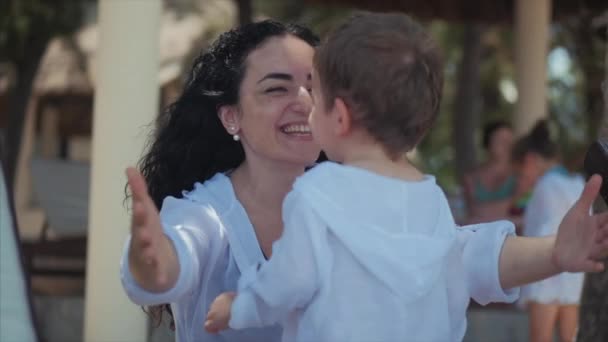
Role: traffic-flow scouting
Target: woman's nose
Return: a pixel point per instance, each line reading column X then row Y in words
column 303, row 101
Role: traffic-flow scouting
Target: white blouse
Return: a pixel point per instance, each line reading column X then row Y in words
column 214, row 240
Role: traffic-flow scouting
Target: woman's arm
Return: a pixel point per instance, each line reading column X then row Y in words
column 166, row 255
column 152, row 256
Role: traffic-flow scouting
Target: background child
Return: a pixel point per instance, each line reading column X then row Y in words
column 554, row 301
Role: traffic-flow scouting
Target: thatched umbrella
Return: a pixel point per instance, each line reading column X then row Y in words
column 62, row 70
column 66, row 76
column 180, row 35
column 65, row 82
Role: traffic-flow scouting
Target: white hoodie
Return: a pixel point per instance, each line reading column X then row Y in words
column 369, row 258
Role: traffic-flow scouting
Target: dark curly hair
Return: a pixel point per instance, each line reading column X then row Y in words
column 537, row 141
column 489, row 129
column 190, row 143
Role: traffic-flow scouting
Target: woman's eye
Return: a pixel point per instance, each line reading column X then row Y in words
column 276, row 90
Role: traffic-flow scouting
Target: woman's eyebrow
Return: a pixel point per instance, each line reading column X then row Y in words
column 278, row 76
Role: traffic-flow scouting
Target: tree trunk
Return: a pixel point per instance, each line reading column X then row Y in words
column 26, row 72
column 465, row 118
column 588, row 57
column 245, row 11
column 593, row 322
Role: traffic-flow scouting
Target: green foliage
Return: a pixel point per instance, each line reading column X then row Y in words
column 25, row 24
column 568, row 93
column 436, row 150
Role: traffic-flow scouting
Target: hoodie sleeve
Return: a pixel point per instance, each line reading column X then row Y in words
column 269, row 292
column 481, row 247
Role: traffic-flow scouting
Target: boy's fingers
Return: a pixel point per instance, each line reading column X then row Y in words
column 602, row 221
column 210, row 326
column 600, row 250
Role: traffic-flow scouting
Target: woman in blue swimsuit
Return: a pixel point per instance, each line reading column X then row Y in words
column 489, row 189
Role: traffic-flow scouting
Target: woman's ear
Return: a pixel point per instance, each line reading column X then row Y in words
column 230, row 119
column 343, row 117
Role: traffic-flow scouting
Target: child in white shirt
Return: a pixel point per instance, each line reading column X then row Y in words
column 370, row 251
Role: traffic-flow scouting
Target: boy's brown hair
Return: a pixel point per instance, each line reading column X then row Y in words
column 388, row 71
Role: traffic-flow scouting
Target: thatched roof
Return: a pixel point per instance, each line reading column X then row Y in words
column 61, row 70
column 67, row 65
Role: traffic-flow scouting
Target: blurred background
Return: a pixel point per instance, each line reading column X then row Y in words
column 516, row 61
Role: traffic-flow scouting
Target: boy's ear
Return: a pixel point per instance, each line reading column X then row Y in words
column 230, row 119
column 343, row 117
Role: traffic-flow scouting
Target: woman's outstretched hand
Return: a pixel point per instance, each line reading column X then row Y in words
column 152, row 258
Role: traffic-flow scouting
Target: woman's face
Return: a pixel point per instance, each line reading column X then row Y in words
column 501, row 143
column 275, row 101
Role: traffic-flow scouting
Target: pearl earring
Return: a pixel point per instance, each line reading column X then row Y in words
column 235, row 136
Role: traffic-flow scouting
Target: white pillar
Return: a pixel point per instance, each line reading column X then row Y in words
column 532, row 21
column 126, row 99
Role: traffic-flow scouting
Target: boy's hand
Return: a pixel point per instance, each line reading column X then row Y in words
column 582, row 240
column 219, row 313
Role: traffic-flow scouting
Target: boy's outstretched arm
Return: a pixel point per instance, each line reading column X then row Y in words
column 579, row 246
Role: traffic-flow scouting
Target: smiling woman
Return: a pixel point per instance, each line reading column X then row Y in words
column 221, row 161
column 272, row 113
